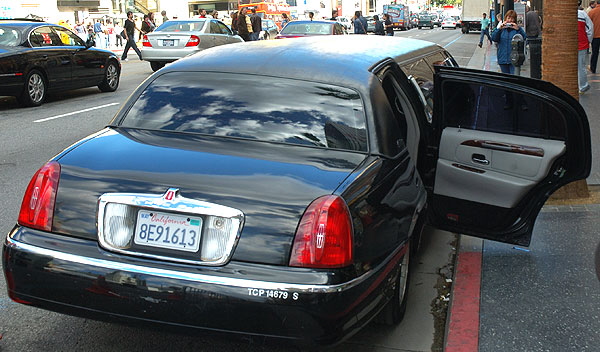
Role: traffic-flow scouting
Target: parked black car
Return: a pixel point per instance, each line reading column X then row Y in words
column 288, row 199
column 38, row 57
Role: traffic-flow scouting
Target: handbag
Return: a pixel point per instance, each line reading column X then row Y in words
column 123, row 35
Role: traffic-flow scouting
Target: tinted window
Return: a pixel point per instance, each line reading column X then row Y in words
column 214, row 27
column 9, row 36
column 68, row 38
column 307, row 28
column 254, row 107
column 224, row 29
column 44, row 36
column 181, row 26
column 493, row 109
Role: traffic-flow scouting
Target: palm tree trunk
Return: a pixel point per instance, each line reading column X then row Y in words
column 559, row 65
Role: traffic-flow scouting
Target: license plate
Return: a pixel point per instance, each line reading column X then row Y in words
column 170, row 231
column 168, row 42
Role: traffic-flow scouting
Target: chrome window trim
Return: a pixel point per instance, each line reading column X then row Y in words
column 177, row 204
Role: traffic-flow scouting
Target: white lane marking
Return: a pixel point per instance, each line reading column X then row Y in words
column 76, row 112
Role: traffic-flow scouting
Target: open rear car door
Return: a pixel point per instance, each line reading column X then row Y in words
column 505, row 143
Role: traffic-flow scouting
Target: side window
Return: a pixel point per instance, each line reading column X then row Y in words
column 440, row 58
column 224, row 29
column 338, row 29
column 214, row 27
column 67, row 37
column 422, row 73
column 44, row 36
column 497, row 109
column 399, row 128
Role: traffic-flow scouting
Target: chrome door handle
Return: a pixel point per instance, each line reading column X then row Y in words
column 480, row 159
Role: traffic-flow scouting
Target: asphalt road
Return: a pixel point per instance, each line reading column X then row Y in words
column 30, row 136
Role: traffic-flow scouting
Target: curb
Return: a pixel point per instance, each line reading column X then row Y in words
column 462, row 327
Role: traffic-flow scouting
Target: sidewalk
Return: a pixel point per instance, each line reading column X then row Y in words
column 542, row 298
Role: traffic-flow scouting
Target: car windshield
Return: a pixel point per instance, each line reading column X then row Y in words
column 181, row 26
column 307, row 28
column 235, row 105
column 9, row 36
column 425, row 18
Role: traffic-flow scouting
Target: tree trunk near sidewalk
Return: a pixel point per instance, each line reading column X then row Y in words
column 559, row 65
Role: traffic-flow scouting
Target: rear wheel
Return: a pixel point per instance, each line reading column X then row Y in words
column 34, row 91
column 111, row 78
column 156, row 65
column 394, row 311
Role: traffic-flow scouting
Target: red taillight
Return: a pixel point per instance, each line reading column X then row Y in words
column 146, row 41
column 194, row 41
column 37, row 208
column 324, row 235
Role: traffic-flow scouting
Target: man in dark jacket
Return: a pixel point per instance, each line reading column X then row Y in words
column 256, row 22
column 242, row 25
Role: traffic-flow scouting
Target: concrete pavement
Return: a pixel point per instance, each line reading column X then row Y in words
column 542, row 298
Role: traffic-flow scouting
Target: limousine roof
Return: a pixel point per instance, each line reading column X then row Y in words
column 341, row 59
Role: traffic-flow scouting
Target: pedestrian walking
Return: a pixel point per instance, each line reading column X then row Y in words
column 594, row 15
column 129, row 37
column 503, row 36
column 585, row 34
column 533, row 26
column 81, row 31
column 256, row 23
column 311, row 15
column 591, row 6
column 334, row 15
column 387, row 24
column 242, row 25
column 359, row 23
column 485, row 30
column 98, row 34
column 285, row 20
column 379, row 30
column 117, row 30
column 234, row 20
column 163, row 13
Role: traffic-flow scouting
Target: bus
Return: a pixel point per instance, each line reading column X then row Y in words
column 268, row 10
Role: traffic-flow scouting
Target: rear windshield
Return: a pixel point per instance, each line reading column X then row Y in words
column 181, row 26
column 307, row 28
column 254, row 107
column 9, row 36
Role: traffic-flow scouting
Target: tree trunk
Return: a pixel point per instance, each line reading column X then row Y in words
column 559, row 65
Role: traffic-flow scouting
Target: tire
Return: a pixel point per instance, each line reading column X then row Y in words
column 35, row 89
column 431, row 27
column 111, row 78
column 267, row 37
column 394, row 311
column 156, row 65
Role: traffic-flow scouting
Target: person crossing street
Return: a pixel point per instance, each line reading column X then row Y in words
column 485, row 30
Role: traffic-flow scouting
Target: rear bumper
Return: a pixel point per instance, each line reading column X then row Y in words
column 77, row 277
column 166, row 54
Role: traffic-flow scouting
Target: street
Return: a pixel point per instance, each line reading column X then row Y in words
column 30, row 136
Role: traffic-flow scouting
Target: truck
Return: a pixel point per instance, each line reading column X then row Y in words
column 472, row 13
column 399, row 15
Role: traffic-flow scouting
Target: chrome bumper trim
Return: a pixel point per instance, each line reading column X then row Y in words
column 201, row 278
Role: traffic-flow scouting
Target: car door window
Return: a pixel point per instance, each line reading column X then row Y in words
column 423, row 75
column 502, row 110
column 224, row 29
column 44, row 36
column 214, row 28
column 68, row 38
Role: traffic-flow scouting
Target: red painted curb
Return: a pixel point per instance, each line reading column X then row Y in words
column 463, row 327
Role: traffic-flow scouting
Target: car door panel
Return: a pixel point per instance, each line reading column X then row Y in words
column 504, row 144
column 513, row 166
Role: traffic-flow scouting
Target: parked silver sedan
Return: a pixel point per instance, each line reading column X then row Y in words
column 178, row 38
